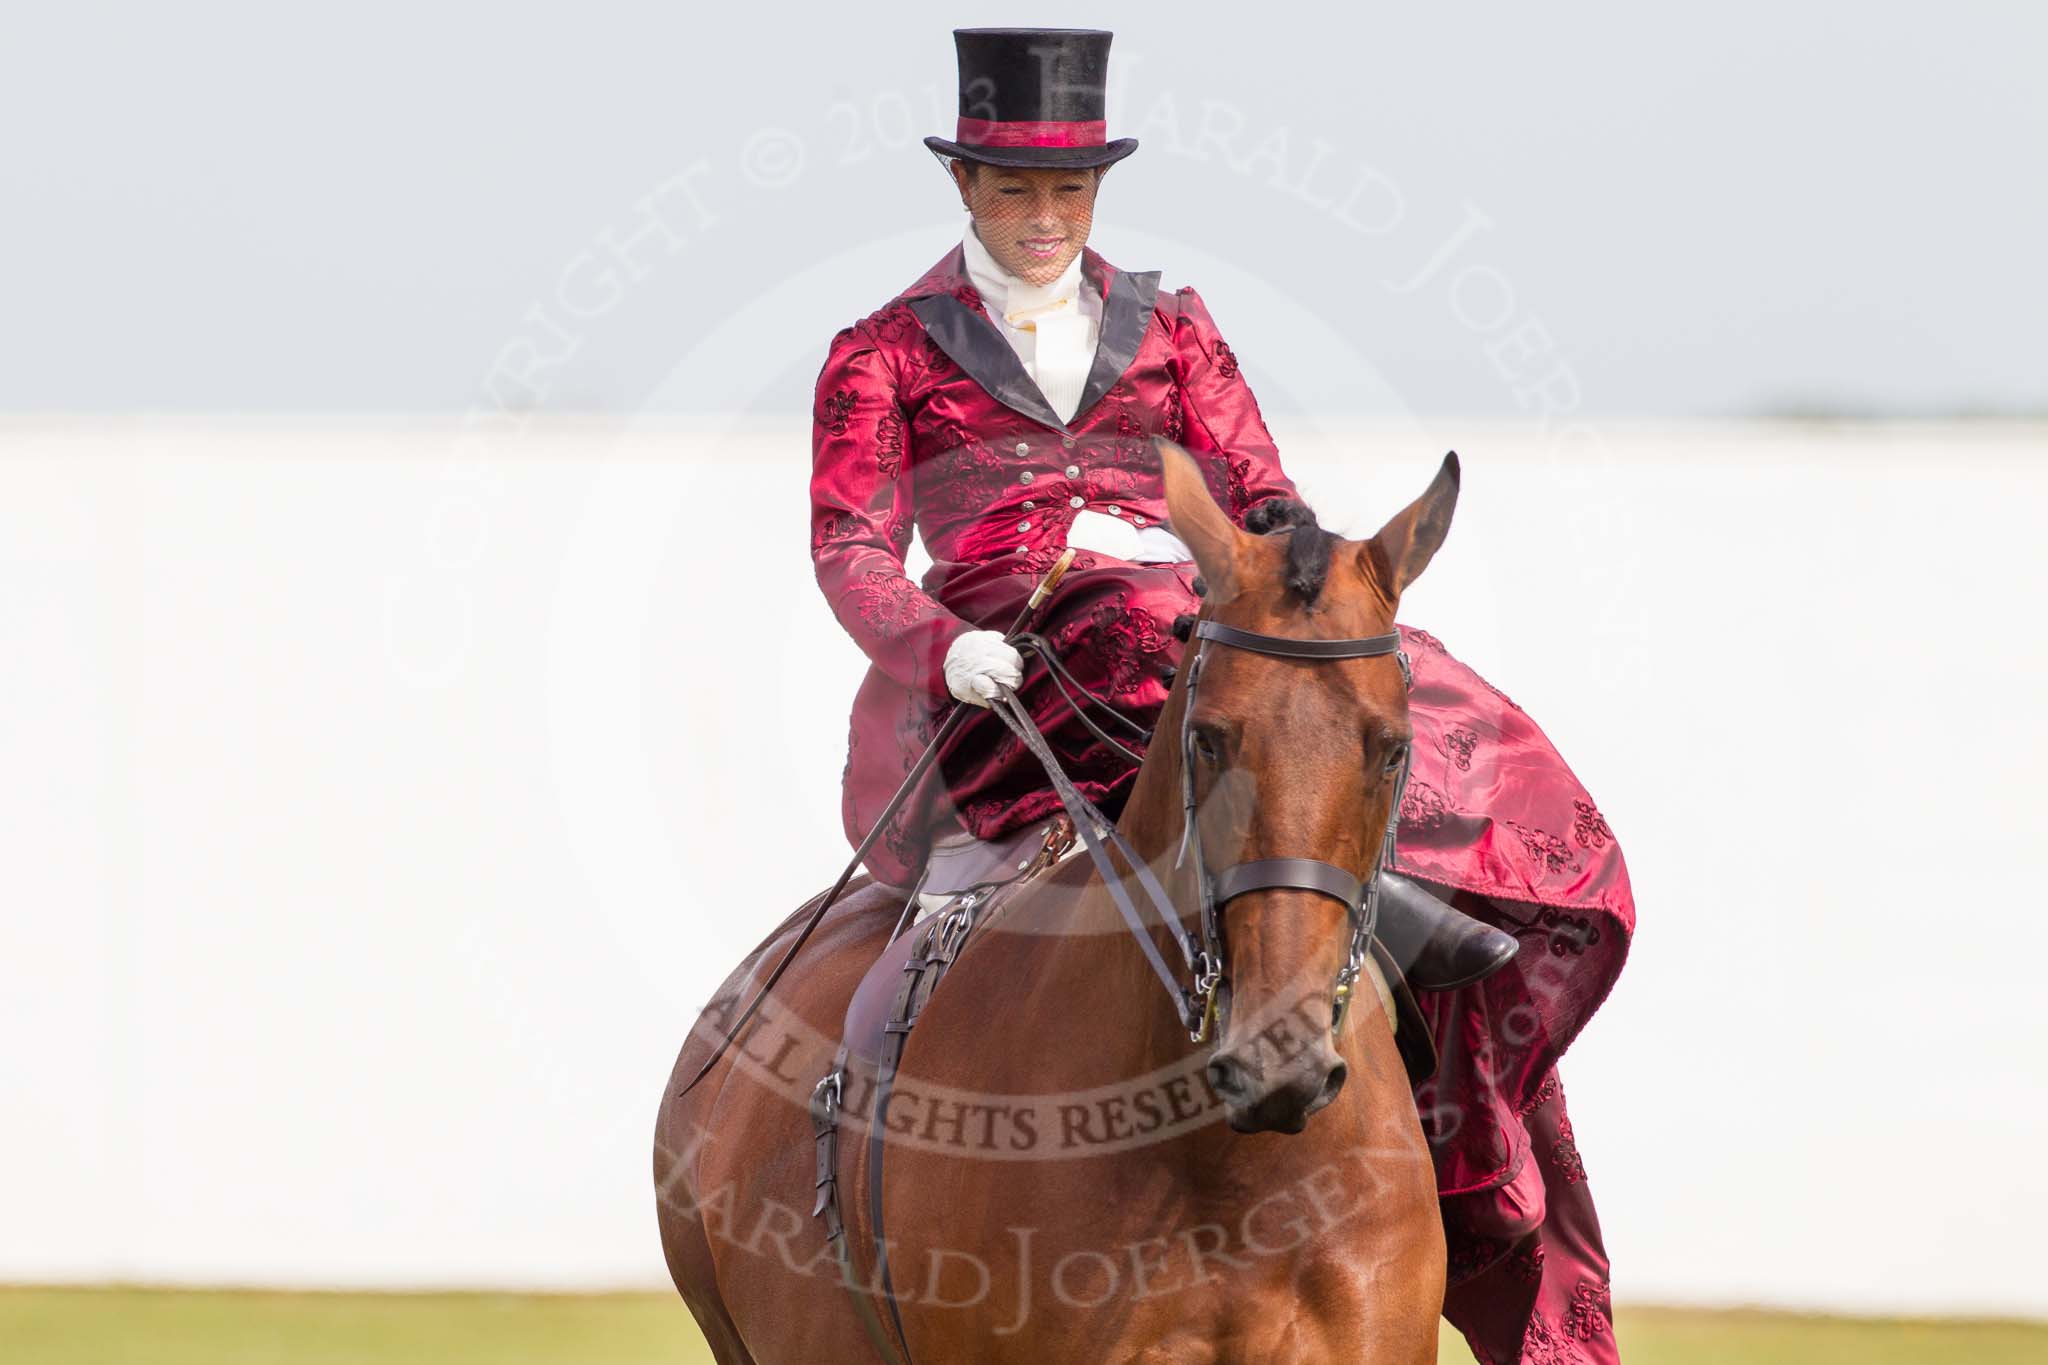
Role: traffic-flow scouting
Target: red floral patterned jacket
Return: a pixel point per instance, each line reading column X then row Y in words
column 926, row 417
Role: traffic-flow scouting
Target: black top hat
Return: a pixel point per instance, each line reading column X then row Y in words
column 1033, row 97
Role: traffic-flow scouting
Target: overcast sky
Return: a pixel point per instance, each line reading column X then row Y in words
column 1629, row 208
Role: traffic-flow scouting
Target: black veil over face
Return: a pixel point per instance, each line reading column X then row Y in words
column 1013, row 207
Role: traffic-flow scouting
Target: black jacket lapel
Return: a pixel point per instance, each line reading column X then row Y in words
column 973, row 342
column 978, row 348
column 1126, row 312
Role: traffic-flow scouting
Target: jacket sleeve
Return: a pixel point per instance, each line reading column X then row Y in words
column 861, row 518
column 1220, row 418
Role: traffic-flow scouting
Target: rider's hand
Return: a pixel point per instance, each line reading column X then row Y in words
column 977, row 661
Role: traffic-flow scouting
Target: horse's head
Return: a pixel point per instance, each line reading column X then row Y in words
column 1292, row 758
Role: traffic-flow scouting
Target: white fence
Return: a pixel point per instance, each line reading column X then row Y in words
column 381, row 803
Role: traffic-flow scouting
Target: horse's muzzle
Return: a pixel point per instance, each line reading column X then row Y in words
column 1276, row 1099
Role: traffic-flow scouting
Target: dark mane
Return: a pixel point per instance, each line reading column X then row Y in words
column 1308, row 547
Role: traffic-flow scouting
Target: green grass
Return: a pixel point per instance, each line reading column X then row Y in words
column 172, row 1327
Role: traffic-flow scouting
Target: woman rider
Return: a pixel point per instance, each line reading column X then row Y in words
column 1005, row 405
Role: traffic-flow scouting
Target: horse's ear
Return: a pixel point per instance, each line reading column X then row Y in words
column 1199, row 522
column 1402, row 549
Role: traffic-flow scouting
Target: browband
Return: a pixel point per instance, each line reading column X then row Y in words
column 1358, row 647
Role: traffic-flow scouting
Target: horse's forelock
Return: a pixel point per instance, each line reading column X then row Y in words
column 1309, row 546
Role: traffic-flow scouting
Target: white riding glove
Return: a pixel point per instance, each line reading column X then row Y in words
column 979, row 659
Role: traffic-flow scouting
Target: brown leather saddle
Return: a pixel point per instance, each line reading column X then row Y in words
column 960, row 862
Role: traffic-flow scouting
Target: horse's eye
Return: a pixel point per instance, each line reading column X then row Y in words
column 1205, row 748
column 1396, row 756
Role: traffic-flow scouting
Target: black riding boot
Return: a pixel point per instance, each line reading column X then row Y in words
column 1435, row 946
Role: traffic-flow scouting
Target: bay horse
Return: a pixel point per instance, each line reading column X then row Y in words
column 1069, row 1178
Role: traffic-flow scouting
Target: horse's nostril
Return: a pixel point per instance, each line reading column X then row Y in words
column 1226, row 1077
column 1333, row 1083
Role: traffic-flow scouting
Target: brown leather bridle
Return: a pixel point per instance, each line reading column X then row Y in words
column 1204, row 951
column 1359, row 898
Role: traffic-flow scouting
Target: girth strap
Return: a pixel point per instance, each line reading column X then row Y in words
column 825, row 1106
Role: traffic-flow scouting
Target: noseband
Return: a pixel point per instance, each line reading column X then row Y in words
column 1204, row 950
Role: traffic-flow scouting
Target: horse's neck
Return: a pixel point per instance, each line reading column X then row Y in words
column 1152, row 815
